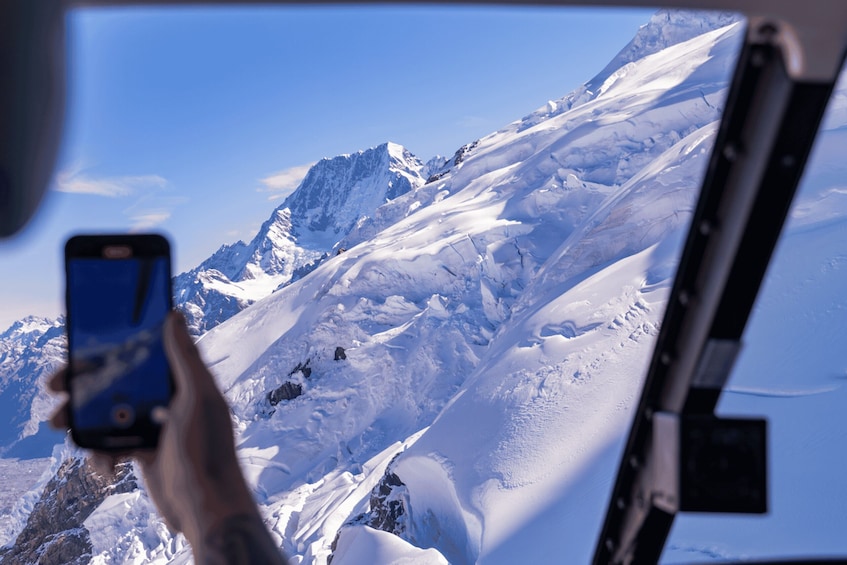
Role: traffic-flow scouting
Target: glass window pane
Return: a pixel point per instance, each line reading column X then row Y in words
column 494, row 321
column 793, row 371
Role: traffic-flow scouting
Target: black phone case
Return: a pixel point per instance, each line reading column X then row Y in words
column 144, row 432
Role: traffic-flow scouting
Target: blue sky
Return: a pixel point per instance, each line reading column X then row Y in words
column 197, row 122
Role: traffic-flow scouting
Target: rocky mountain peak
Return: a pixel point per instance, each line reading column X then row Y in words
column 54, row 532
column 337, row 192
column 27, row 330
column 335, row 195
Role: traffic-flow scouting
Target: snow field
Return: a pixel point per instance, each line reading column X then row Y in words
column 361, row 544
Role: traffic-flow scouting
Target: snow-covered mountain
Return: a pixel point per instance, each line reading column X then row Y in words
column 338, row 192
column 665, row 29
column 232, row 278
column 31, row 350
column 335, row 194
column 456, row 385
column 426, row 292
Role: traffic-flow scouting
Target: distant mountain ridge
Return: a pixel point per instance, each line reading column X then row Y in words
column 31, row 350
column 665, row 28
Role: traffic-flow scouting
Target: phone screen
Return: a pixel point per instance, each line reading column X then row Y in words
column 118, row 370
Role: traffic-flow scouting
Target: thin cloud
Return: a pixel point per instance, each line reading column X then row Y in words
column 149, row 220
column 151, row 203
column 283, row 183
column 244, row 233
column 151, row 210
column 76, row 182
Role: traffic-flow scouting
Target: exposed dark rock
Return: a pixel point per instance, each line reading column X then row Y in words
column 302, row 368
column 340, row 355
column 388, row 505
column 289, row 390
column 54, row 533
column 388, row 508
column 463, row 152
column 286, row 391
column 436, row 176
column 388, row 502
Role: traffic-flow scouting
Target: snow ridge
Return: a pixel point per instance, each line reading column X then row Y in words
column 666, row 28
column 515, row 296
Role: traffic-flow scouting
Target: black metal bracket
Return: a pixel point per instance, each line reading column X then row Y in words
column 709, row 464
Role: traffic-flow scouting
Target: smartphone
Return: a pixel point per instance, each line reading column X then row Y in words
column 118, row 293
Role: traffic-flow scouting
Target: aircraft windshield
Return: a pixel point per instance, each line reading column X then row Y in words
column 426, row 252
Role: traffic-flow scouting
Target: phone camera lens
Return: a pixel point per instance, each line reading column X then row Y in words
column 123, row 415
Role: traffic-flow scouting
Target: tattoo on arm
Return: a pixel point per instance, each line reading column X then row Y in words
column 239, row 540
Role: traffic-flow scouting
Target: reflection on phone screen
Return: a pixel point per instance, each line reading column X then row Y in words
column 116, row 309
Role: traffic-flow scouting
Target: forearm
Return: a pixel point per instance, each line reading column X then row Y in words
column 236, row 540
column 229, row 529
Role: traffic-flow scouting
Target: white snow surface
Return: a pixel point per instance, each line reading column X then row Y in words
column 126, row 528
column 21, row 477
column 361, row 544
column 15, row 514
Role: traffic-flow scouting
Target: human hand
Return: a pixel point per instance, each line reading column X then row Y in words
column 193, row 475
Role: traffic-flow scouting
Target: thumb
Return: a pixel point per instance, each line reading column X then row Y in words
column 191, row 376
column 186, row 365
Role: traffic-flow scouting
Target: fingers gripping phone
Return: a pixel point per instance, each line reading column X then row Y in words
column 118, row 293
